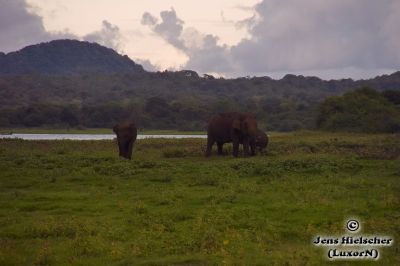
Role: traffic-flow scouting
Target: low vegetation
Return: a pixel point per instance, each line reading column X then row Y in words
column 363, row 110
column 75, row 202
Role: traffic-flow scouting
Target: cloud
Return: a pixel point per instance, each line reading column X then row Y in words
column 302, row 35
column 170, row 27
column 109, row 35
column 203, row 52
column 147, row 65
column 19, row 27
column 291, row 36
column 209, row 56
column 296, row 36
column 148, row 19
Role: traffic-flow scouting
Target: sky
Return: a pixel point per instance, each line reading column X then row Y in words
column 231, row 38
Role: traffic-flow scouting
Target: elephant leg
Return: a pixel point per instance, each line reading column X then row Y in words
column 246, row 147
column 235, row 148
column 253, row 149
column 122, row 148
column 125, row 150
column 220, row 145
column 129, row 150
column 210, row 143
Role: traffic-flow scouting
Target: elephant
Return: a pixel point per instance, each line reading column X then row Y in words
column 261, row 140
column 232, row 127
column 126, row 136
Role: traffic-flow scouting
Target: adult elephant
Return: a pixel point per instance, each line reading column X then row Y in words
column 126, row 136
column 232, row 127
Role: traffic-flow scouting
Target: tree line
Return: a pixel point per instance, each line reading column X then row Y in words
column 182, row 100
column 362, row 110
column 153, row 113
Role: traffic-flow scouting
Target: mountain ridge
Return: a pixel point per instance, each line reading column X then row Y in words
column 66, row 57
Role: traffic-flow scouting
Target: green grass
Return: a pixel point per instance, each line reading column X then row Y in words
column 77, row 203
column 91, row 131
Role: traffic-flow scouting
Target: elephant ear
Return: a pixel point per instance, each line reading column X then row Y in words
column 236, row 124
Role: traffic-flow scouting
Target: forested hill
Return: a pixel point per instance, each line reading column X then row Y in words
column 66, row 57
column 84, row 93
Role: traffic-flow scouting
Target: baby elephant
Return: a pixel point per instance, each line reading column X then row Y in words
column 126, row 135
column 261, row 140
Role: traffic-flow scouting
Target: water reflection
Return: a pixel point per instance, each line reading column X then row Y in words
column 90, row 136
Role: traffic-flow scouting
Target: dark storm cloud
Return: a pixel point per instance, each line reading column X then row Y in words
column 19, row 28
column 307, row 36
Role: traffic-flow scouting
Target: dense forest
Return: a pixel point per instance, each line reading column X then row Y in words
column 82, row 93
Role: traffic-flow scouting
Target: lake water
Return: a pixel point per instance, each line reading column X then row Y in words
column 90, row 136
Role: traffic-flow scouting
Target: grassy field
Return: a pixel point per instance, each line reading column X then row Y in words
column 77, row 203
column 92, row 131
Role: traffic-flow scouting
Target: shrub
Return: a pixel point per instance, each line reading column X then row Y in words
column 364, row 110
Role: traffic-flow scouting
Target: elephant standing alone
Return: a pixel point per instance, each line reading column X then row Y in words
column 126, row 136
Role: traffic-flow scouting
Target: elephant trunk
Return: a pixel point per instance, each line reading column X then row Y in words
column 124, row 149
